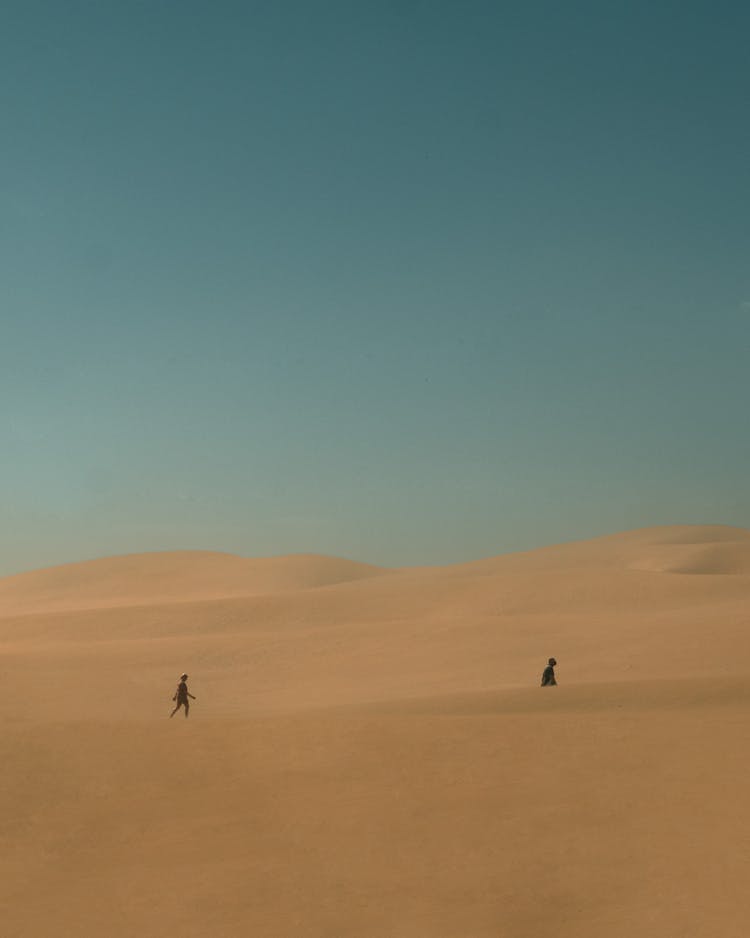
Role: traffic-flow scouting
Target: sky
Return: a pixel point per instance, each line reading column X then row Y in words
column 405, row 282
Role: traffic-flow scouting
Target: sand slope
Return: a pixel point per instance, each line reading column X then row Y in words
column 370, row 755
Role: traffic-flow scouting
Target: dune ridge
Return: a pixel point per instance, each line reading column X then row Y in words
column 185, row 576
column 170, row 576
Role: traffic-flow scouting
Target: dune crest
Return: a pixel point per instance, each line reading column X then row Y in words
column 193, row 576
column 174, row 576
column 712, row 549
column 699, row 559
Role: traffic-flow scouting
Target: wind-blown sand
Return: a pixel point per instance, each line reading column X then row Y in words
column 370, row 753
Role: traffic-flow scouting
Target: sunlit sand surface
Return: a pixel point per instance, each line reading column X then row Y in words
column 370, row 754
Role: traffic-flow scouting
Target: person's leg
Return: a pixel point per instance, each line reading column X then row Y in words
column 187, row 707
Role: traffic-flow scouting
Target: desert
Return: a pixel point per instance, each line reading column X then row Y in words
column 370, row 753
column 375, row 555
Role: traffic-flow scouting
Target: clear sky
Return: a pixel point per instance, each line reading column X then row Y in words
column 396, row 280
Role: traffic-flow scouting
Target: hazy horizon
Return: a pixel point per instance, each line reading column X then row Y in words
column 404, row 283
column 301, row 554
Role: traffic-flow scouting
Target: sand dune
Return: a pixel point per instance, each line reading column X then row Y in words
column 370, row 754
column 178, row 576
column 631, row 549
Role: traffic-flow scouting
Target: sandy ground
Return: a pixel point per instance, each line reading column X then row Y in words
column 370, row 753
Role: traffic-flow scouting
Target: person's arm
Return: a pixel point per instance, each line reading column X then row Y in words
column 190, row 695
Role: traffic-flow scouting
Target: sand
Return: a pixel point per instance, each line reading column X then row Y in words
column 370, row 753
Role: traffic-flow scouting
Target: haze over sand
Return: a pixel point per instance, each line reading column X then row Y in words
column 370, row 753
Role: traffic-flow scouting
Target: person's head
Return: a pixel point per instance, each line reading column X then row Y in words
column 183, row 677
column 552, row 662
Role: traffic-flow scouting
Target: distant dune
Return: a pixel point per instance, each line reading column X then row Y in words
column 635, row 549
column 370, row 754
column 183, row 576
column 176, row 576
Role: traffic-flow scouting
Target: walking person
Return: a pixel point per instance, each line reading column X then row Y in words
column 548, row 675
column 182, row 696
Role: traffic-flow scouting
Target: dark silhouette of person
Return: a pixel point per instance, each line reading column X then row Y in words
column 181, row 695
column 548, row 675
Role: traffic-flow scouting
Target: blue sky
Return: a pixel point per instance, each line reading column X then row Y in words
column 401, row 281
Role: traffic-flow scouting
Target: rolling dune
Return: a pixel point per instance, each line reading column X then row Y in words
column 177, row 576
column 370, row 753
